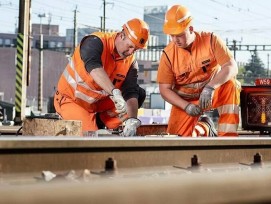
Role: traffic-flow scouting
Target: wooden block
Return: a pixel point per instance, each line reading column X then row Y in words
column 51, row 127
column 152, row 129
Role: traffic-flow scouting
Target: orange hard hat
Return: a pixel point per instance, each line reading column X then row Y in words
column 177, row 19
column 137, row 31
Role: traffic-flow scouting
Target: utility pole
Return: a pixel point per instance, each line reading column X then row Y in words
column 40, row 88
column 30, row 37
column 49, row 23
column 75, row 28
column 268, row 64
column 102, row 30
column 104, row 4
column 16, row 24
column 103, row 17
column 234, row 49
column 22, row 60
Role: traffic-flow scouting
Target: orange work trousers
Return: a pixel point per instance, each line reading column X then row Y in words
column 68, row 109
column 226, row 99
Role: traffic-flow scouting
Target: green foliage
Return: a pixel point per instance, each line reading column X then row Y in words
column 241, row 74
column 254, row 69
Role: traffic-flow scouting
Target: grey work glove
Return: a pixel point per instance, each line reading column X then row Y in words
column 206, row 97
column 131, row 125
column 120, row 103
column 193, row 110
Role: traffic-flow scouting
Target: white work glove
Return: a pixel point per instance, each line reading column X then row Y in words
column 120, row 103
column 206, row 97
column 193, row 110
column 131, row 125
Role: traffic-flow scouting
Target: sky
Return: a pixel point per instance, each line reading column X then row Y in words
column 246, row 21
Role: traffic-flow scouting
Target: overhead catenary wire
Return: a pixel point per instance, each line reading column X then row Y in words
column 233, row 19
column 227, row 17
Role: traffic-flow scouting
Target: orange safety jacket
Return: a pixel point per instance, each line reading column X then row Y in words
column 77, row 83
column 192, row 70
column 189, row 72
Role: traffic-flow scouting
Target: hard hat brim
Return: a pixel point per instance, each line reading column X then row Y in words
column 177, row 29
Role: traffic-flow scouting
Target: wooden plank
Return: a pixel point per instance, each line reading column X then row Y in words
column 152, row 129
column 51, row 127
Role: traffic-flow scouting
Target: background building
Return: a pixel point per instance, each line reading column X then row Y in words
column 54, row 64
column 54, row 57
column 55, row 52
column 154, row 16
column 81, row 32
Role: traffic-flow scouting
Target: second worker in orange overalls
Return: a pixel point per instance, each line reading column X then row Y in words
column 197, row 73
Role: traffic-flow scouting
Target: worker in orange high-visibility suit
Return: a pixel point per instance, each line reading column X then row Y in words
column 99, row 85
column 197, row 73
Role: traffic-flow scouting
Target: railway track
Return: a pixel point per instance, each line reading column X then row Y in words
column 155, row 168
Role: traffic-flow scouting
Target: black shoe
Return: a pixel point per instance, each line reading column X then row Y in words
column 208, row 121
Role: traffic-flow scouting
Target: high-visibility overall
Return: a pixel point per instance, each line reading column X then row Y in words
column 189, row 72
column 79, row 97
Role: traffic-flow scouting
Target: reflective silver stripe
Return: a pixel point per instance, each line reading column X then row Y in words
column 69, row 79
column 81, row 82
column 198, row 85
column 132, row 33
column 84, row 97
column 195, row 86
column 184, row 18
column 77, row 77
column 229, row 108
column 186, row 95
column 71, row 64
column 225, row 127
column 78, row 81
column 200, row 130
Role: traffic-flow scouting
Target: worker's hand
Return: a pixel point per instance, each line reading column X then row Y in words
column 131, row 125
column 193, row 110
column 206, row 97
column 120, row 103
